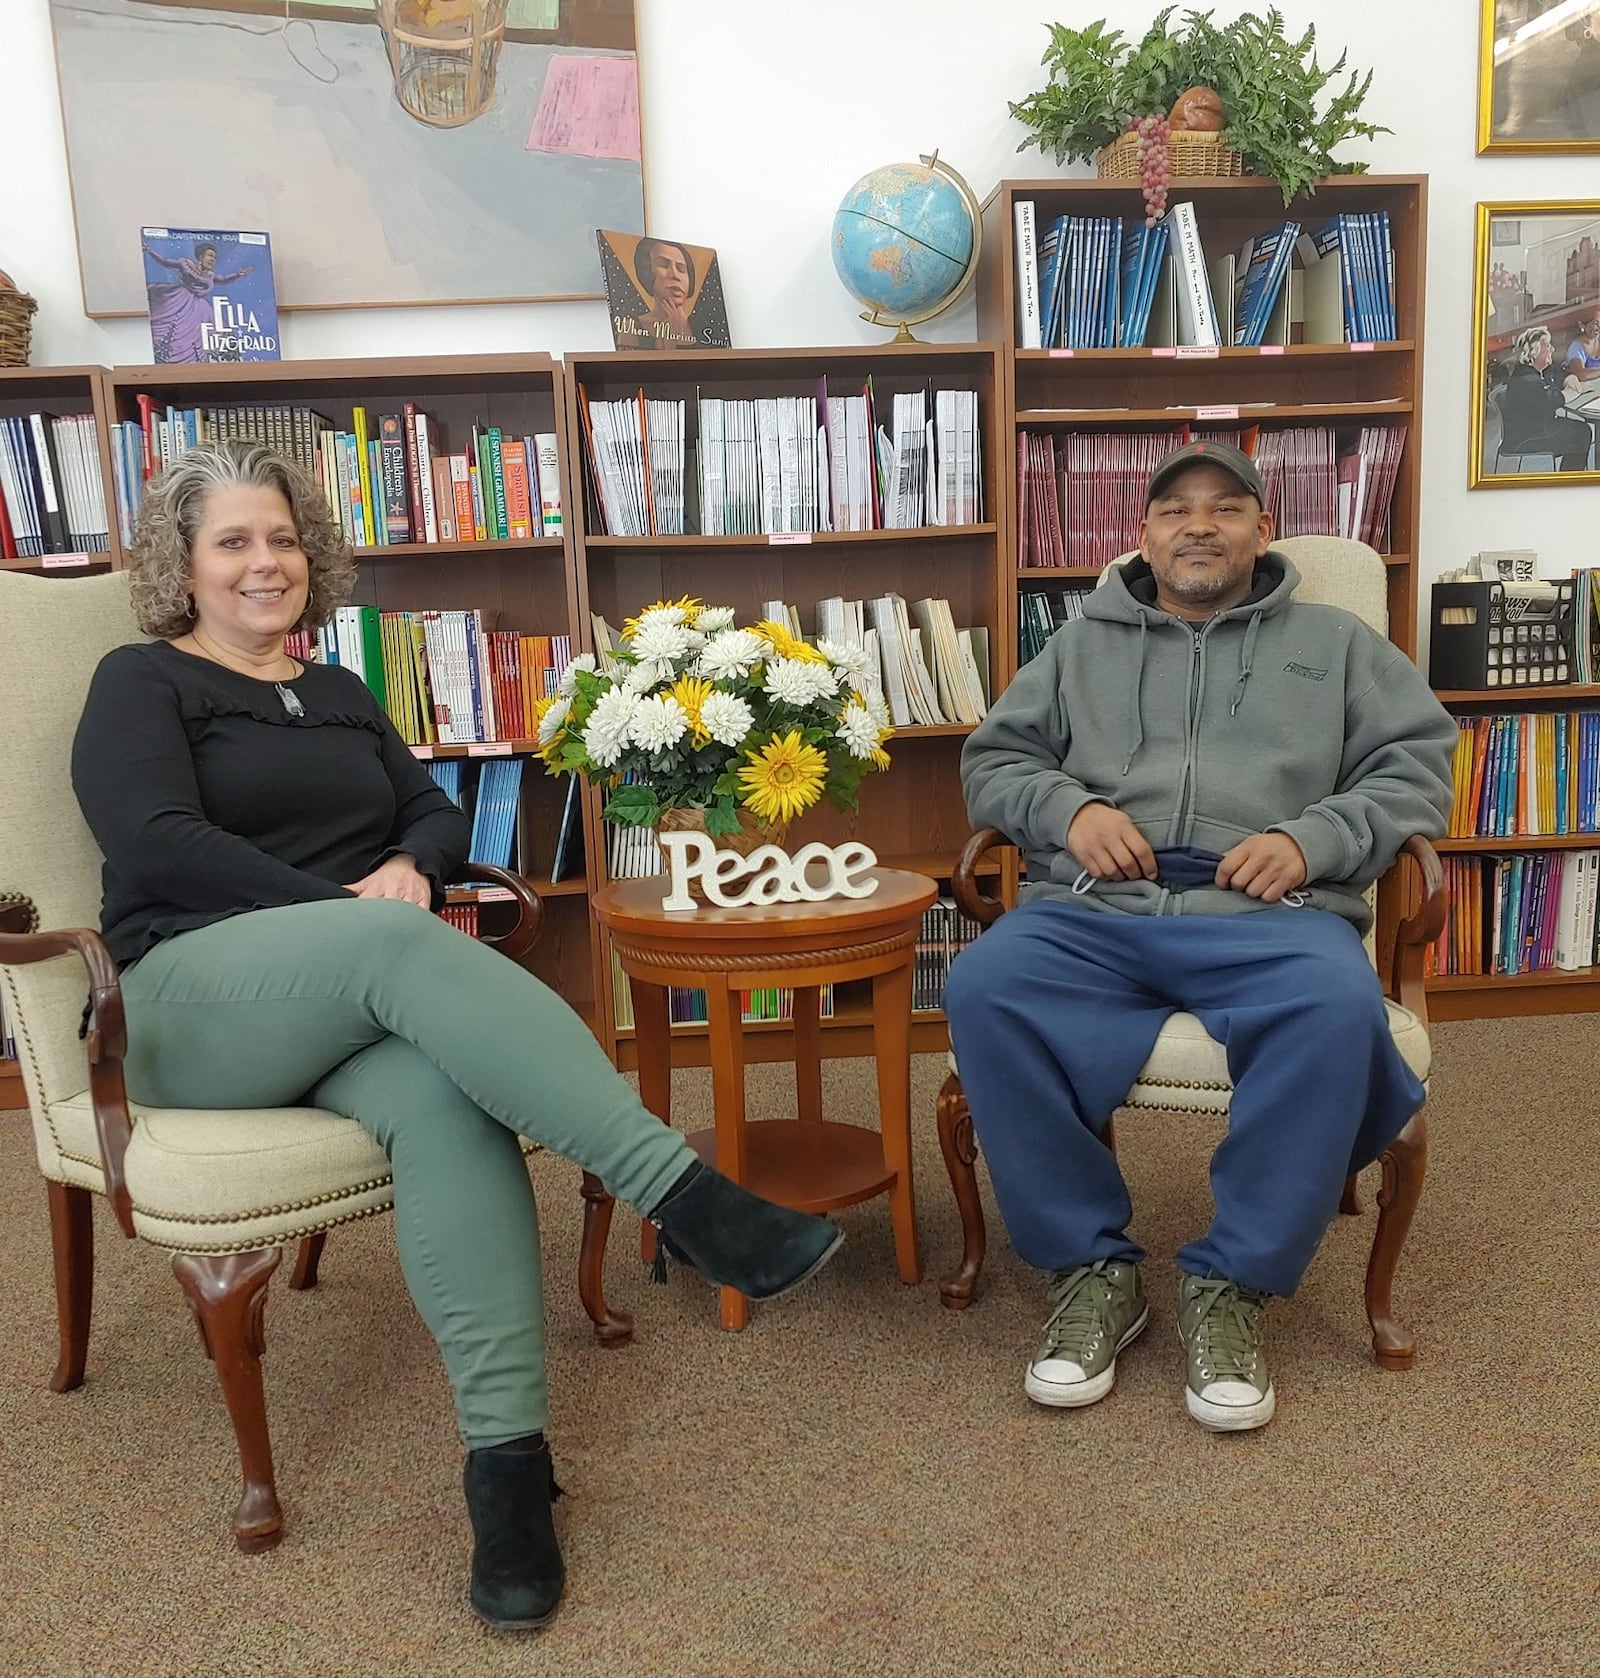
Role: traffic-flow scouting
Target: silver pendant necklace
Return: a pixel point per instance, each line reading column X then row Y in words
column 290, row 700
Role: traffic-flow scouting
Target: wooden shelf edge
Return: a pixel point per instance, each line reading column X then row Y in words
column 781, row 539
column 1227, row 352
column 1496, row 696
column 1471, row 844
column 1248, row 414
column 437, row 550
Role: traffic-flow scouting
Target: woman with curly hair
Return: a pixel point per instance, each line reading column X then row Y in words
column 271, row 853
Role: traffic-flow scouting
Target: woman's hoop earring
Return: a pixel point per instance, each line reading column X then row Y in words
column 189, row 614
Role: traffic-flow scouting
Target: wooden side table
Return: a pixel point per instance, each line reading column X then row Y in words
column 809, row 1162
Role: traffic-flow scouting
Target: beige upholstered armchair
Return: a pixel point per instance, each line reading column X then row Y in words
column 1188, row 1071
column 224, row 1192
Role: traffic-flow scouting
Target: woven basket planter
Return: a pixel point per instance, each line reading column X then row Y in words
column 1187, row 155
column 752, row 835
column 16, row 323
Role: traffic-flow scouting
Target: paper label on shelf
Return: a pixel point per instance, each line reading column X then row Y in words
column 1269, row 349
column 424, row 752
column 57, row 562
column 495, row 748
column 1162, row 349
column 1216, row 413
column 1198, row 352
column 493, row 894
column 789, row 539
column 1356, row 348
column 1062, row 355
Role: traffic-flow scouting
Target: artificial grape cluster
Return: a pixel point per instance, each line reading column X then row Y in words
column 1154, row 170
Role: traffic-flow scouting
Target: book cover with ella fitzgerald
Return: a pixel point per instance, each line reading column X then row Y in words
column 211, row 295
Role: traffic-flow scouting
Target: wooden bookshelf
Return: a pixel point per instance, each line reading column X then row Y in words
column 1130, row 389
column 914, row 815
column 526, row 585
column 1474, row 996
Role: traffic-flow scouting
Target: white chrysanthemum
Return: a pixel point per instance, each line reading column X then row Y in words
column 551, row 723
column 606, row 732
column 859, row 731
column 714, row 619
column 640, row 678
column 569, row 677
column 731, row 653
column 658, row 722
column 726, row 718
column 875, row 702
column 666, row 614
column 799, row 682
column 850, row 659
column 658, row 642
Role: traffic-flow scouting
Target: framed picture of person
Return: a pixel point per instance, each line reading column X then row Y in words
column 662, row 293
column 1539, row 76
column 1536, row 345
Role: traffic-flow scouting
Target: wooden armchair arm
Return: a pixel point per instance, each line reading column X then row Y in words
column 105, row 1043
column 964, row 881
column 1418, row 875
column 530, row 911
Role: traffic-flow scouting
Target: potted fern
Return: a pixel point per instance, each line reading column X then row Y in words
column 1201, row 98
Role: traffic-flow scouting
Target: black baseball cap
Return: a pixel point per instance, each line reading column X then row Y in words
column 1240, row 467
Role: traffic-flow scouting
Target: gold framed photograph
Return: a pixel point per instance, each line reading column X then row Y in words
column 1536, row 345
column 1539, row 76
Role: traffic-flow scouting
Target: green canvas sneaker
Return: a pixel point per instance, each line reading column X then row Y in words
column 1097, row 1310
column 1219, row 1323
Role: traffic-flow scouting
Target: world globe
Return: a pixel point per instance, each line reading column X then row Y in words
column 906, row 242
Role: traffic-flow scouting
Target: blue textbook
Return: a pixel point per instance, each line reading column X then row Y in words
column 211, row 295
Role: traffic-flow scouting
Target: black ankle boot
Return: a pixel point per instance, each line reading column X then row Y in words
column 738, row 1240
column 517, row 1571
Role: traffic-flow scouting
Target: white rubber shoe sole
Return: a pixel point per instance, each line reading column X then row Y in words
column 1230, row 1418
column 1071, row 1395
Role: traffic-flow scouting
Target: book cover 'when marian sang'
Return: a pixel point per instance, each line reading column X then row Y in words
column 211, row 295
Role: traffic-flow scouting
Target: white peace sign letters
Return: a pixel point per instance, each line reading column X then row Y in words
column 767, row 875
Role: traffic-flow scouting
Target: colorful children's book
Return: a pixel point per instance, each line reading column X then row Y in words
column 211, row 295
column 662, row 293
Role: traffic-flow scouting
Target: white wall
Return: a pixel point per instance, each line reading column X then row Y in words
column 758, row 117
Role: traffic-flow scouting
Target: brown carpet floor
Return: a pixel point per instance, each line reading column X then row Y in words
column 857, row 1484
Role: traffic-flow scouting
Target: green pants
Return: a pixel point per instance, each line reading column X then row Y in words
column 444, row 1053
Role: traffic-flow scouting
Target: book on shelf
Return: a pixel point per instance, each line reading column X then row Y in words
column 52, row 493
column 211, row 295
column 1028, row 337
column 1197, row 316
column 1349, row 280
column 1041, row 612
column 943, row 934
column 783, row 465
column 1532, row 912
column 1260, row 278
column 1526, row 773
column 569, row 836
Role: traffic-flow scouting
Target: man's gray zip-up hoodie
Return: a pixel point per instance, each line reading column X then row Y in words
column 1273, row 716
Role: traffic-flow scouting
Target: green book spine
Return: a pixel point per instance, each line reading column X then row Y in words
column 372, row 653
column 497, row 473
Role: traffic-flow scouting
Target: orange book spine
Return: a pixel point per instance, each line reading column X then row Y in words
column 519, row 504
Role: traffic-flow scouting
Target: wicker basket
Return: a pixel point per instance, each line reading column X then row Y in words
column 1188, row 155
column 16, row 323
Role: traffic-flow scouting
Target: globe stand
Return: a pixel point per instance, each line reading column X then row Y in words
column 904, row 335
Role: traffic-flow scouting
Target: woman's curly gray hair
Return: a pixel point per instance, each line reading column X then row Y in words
column 174, row 506
column 1530, row 342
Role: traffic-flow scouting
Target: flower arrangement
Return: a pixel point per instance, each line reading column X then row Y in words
column 698, row 714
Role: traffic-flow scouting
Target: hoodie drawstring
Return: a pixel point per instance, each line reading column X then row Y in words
column 1246, row 662
column 1138, row 685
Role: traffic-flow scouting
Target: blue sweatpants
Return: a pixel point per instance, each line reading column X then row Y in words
column 1054, row 1010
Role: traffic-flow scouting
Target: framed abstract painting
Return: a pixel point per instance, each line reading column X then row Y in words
column 1539, row 76
column 397, row 152
column 1536, row 345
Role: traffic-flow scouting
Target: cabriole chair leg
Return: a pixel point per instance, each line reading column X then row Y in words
column 960, row 1148
column 1404, row 1166
column 304, row 1275
column 72, row 1247
column 228, row 1293
column 611, row 1328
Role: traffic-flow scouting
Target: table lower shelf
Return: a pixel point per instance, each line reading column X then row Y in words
column 811, row 1167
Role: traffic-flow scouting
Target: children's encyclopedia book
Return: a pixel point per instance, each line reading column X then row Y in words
column 211, row 295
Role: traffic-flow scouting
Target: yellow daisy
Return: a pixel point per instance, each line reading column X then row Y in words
column 550, row 751
column 783, row 779
column 691, row 692
column 687, row 604
column 787, row 645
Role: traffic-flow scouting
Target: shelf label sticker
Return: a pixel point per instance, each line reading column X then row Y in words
column 1269, row 349
column 58, row 562
column 493, row 894
column 494, row 748
column 1062, row 355
column 1220, row 413
column 1198, row 352
column 1162, row 349
column 1356, row 349
column 424, row 752
column 789, row 539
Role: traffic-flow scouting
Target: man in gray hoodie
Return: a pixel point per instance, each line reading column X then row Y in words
column 1204, row 776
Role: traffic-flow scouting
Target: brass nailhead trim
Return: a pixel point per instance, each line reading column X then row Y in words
column 265, row 1211
column 259, row 1246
